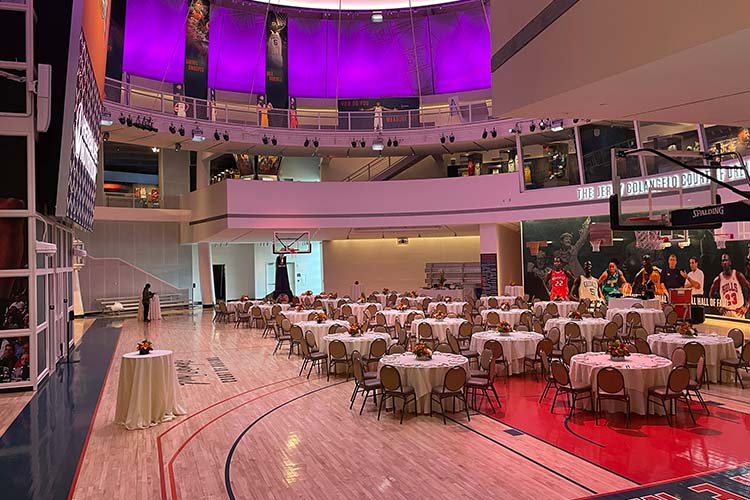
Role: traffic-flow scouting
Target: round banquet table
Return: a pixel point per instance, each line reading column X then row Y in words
column 589, row 327
column 298, row 316
column 516, row 346
column 452, row 307
column 392, row 314
column 717, row 348
column 154, row 310
column 382, row 298
column 267, row 308
column 424, row 375
column 564, row 307
column 500, row 299
column 329, row 302
column 434, row 293
column 236, row 305
column 320, row 330
column 417, row 301
column 628, row 302
column 511, row 316
column 649, row 317
column 640, row 371
column 147, row 392
column 439, row 327
column 513, row 290
column 358, row 310
column 361, row 343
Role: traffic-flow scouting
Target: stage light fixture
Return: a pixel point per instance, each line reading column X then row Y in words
column 452, row 137
column 172, row 128
column 377, row 144
column 181, row 130
column 532, row 127
column 542, row 125
column 556, row 125
column 484, row 134
column 226, row 136
column 362, row 143
column 307, row 142
column 129, row 121
column 265, row 139
column 274, row 141
column 395, row 143
column 217, row 136
column 105, row 136
column 315, row 142
column 197, row 134
column 442, row 138
column 354, row 143
column 178, row 147
column 493, row 132
column 106, row 118
column 377, row 16
column 575, row 120
column 122, row 119
column 154, row 149
column 389, row 143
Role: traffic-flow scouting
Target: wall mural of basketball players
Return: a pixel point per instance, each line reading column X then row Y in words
column 574, row 251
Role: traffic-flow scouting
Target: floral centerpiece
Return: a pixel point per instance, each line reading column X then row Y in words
column 402, row 307
column 686, row 329
column 308, row 292
column 558, row 298
column 413, row 294
column 449, row 299
column 244, row 298
column 355, row 330
column 438, row 315
column 422, row 352
column 299, row 308
column 505, row 306
column 145, row 346
column 321, row 317
column 618, row 350
column 575, row 315
column 504, row 327
column 385, row 291
column 270, row 301
column 361, row 300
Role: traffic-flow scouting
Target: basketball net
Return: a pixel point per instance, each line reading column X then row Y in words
column 596, row 245
column 534, row 246
column 721, row 240
column 648, row 240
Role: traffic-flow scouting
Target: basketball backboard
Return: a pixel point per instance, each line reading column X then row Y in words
column 291, row 242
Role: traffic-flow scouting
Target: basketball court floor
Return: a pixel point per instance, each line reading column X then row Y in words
column 258, row 430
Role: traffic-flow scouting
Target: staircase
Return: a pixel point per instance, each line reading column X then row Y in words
column 367, row 171
column 400, row 166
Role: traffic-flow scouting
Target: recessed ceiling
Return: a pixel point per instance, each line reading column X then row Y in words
column 357, row 4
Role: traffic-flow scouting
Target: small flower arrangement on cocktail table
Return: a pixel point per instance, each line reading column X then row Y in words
column 321, row 317
column 618, row 350
column 299, row 308
column 505, row 306
column 504, row 328
column 438, row 315
column 144, row 347
column 575, row 315
column 686, row 329
column 355, row 330
column 422, row 352
column 402, row 307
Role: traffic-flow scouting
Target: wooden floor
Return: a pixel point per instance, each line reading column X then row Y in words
column 273, row 435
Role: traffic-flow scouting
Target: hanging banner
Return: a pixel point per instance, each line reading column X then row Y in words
column 196, row 54
column 378, row 114
column 277, row 69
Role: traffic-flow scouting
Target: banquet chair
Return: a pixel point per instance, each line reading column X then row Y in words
column 551, row 309
column 679, row 357
column 617, row 319
column 538, row 312
column 609, row 334
column 554, row 335
column 465, row 331
column 297, row 338
column 632, row 319
column 402, row 336
column 381, row 321
column 638, row 333
column 563, row 384
column 573, row 336
column 475, row 384
column 543, row 345
column 676, row 389
column 547, row 375
column 372, row 298
column 342, row 301
column 426, row 304
column 521, row 328
column 568, row 351
column 444, row 347
column 484, row 364
column 637, row 305
column 737, row 337
column 641, row 346
column 333, row 329
column 498, row 356
column 610, row 386
column 492, row 320
column 452, row 388
column 409, row 318
column 456, row 348
column 670, row 324
column 390, row 378
column 666, row 308
column 537, row 327
column 341, row 329
column 362, row 383
column 405, row 301
column 311, row 355
column 283, row 334
column 372, row 310
column 377, row 351
column 337, row 356
column 270, row 320
column 452, row 315
column 546, row 317
column 492, row 303
column 346, row 310
column 396, row 349
column 525, row 319
column 317, row 304
column 312, row 316
column 694, row 350
column 424, row 334
column 521, row 303
column 243, row 316
column 734, row 364
column 307, row 301
column 478, row 321
column 379, row 329
column 352, row 319
column 311, row 342
column 582, row 306
column 696, row 384
column 442, row 308
column 226, row 316
column 257, row 319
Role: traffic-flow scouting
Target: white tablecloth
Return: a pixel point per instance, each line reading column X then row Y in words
column 628, row 302
column 327, row 302
column 563, row 307
column 356, row 291
column 500, row 299
column 640, row 371
column 320, row 330
column 516, row 346
column 445, row 292
column 452, row 307
column 392, row 314
column 439, row 327
column 359, row 309
column 589, row 327
column 267, row 308
column 383, row 298
column 512, row 316
column 423, row 375
column 514, row 290
column 649, row 317
column 417, row 301
column 154, row 310
column 298, row 316
column 717, row 348
column 148, row 391
column 361, row 343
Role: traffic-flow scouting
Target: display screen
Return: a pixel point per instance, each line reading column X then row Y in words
column 84, row 153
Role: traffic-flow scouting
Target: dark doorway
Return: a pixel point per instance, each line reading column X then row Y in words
column 220, row 281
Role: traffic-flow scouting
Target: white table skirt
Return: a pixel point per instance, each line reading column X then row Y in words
column 628, row 302
column 361, row 343
column 516, row 346
column 589, row 327
column 500, row 299
column 640, row 371
column 148, row 391
column 563, row 307
column 512, row 316
column 439, row 327
column 649, row 317
column 423, row 375
column 452, row 307
column 320, row 330
column 416, row 302
column 298, row 316
column 445, row 292
column 392, row 314
column 154, row 310
column 514, row 290
column 717, row 348
column 359, row 309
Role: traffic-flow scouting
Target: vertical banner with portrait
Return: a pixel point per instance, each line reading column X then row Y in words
column 115, row 48
column 277, row 68
column 196, row 53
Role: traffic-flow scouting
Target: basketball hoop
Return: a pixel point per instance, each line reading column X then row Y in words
column 721, row 240
column 595, row 245
column 534, row 246
column 648, row 240
column 293, row 250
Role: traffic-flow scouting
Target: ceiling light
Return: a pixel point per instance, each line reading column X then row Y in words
column 106, row 118
column 217, row 136
column 451, row 137
column 307, row 142
column 377, row 17
column 315, row 142
column 181, row 131
column 197, row 134
column 177, row 147
column 377, row 144
column 265, row 139
column 122, row 119
column 556, row 125
column 226, row 136
column 274, row 141
column 172, row 128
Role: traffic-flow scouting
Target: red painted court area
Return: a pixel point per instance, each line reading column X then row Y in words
column 649, row 451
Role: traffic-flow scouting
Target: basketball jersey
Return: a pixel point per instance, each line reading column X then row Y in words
column 275, row 50
column 559, row 281
column 378, row 111
column 611, row 283
column 730, row 291
column 588, row 288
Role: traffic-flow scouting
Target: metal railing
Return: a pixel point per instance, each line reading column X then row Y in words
column 371, row 169
column 145, row 100
column 128, row 200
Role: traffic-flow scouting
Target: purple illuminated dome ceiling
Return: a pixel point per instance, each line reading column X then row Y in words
column 372, row 59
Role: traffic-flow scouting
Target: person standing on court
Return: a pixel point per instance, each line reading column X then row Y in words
column 146, row 300
column 694, row 279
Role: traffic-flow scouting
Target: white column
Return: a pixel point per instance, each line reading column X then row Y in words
column 206, row 272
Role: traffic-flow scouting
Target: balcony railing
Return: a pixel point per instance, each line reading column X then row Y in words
column 129, row 200
column 155, row 101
